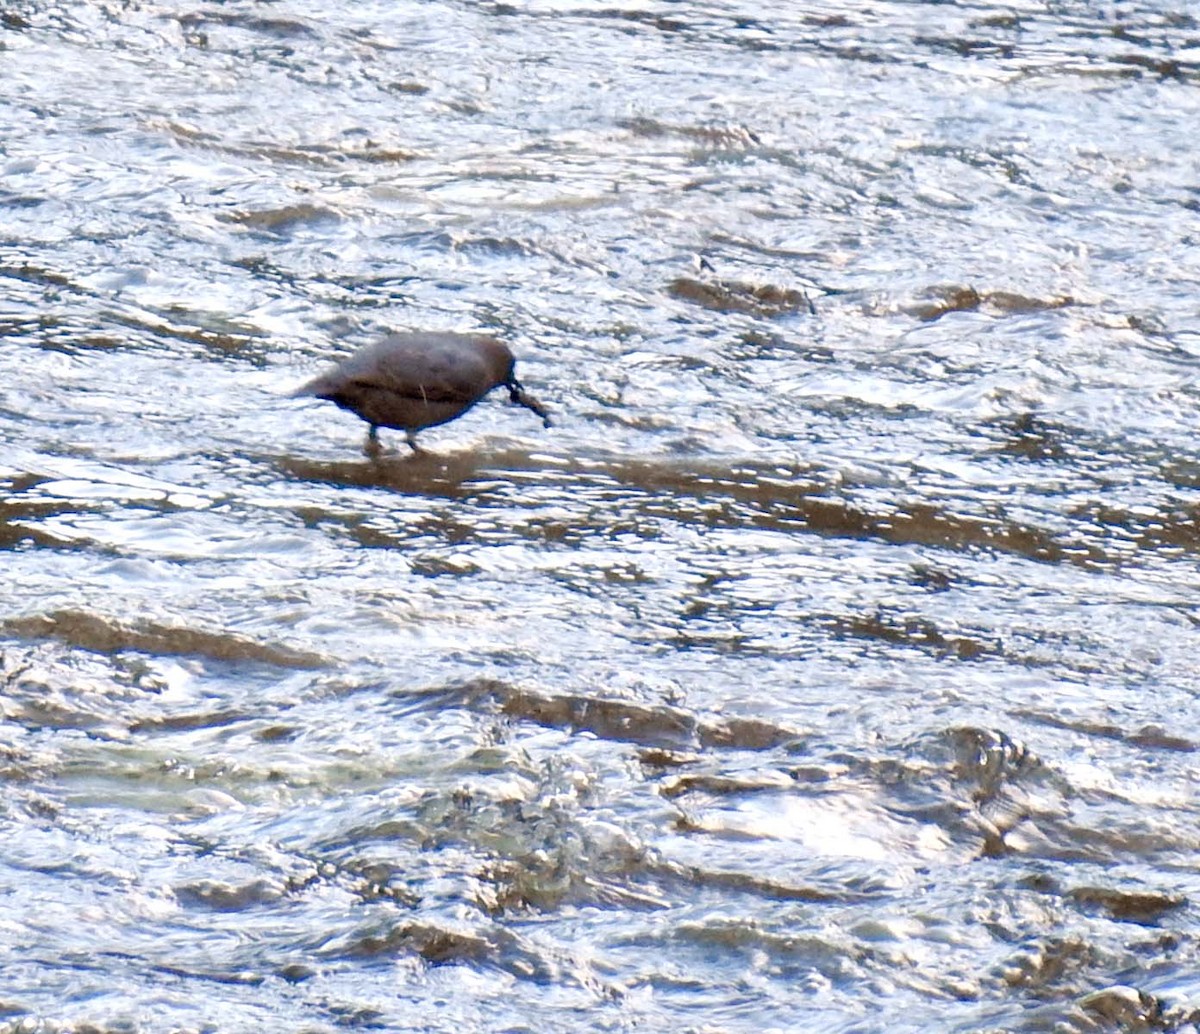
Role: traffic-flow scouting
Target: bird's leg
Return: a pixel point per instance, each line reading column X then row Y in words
column 411, row 438
column 372, row 447
column 517, row 395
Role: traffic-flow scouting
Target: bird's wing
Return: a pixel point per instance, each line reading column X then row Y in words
column 432, row 374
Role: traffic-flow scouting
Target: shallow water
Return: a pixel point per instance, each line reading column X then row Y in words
column 829, row 666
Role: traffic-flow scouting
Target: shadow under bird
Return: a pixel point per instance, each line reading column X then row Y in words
column 420, row 379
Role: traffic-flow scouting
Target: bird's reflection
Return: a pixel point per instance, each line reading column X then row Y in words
column 425, row 472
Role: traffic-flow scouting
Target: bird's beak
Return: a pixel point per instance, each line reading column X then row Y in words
column 518, row 397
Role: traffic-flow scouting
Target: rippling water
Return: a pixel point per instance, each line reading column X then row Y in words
column 830, row 665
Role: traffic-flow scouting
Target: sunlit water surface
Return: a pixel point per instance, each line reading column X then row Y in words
column 829, row 666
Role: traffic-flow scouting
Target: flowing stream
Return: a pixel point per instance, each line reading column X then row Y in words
column 829, row 666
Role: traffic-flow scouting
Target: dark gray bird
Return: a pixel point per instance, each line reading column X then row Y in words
column 420, row 379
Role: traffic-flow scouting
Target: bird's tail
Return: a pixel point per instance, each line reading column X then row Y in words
column 318, row 387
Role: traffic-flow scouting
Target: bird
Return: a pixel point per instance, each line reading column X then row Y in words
column 417, row 379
